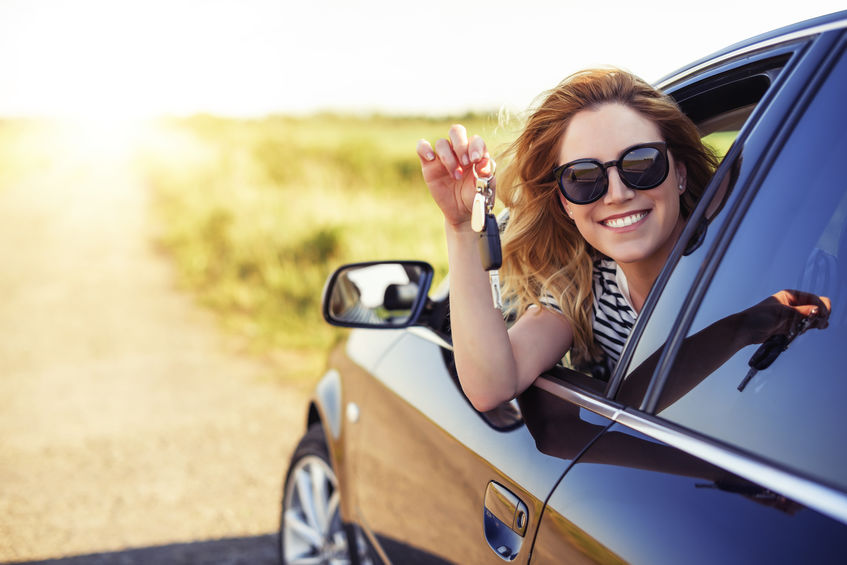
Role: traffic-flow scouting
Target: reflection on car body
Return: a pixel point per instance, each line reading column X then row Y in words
column 667, row 462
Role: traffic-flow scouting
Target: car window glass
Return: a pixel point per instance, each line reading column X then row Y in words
column 794, row 236
column 720, row 130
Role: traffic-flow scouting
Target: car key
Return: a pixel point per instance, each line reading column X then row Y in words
column 478, row 210
column 491, row 255
column 484, row 222
column 480, row 207
column 767, row 353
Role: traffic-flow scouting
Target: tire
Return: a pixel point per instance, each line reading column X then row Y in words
column 311, row 530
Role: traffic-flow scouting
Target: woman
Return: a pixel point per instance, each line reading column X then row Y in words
column 598, row 186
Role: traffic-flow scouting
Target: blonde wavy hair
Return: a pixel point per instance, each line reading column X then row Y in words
column 543, row 252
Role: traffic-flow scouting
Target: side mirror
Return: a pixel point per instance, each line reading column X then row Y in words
column 377, row 294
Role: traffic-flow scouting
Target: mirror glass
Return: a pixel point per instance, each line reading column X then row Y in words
column 381, row 295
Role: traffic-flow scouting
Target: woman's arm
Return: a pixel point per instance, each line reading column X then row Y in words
column 704, row 352
column 493, row 365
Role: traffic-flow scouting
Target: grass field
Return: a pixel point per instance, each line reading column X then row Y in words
column 258, row 213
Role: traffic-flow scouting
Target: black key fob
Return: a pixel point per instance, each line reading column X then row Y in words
column 489, row 244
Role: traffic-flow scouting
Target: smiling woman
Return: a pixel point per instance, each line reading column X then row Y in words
column 602, row 178
column 629, row 222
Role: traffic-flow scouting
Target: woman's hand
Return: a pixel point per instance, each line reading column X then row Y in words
column 447, row 171
column 783, row 311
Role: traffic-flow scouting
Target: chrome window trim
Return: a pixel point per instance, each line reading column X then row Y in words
column 568, row 392
column 821, row 498
column 431, row 336
column 750, row 49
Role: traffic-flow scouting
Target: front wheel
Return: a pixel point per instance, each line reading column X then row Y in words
column 311, row 530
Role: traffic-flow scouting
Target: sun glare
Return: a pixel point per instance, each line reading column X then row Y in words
column 98, row 139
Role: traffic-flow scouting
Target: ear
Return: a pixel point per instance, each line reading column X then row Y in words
column 566, row 205
column 681, row 176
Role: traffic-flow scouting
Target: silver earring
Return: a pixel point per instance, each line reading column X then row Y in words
column 681, row 186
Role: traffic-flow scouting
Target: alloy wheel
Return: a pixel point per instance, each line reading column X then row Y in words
column 312, row 532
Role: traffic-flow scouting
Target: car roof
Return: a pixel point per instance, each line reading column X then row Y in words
column 785, row 34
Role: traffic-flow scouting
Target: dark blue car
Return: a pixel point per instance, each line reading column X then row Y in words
column 696, row 467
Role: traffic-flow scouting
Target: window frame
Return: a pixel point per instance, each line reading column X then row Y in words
column 782, row 56
column 810, row 71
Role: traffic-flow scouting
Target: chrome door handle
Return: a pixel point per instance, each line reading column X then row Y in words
column 505, row 518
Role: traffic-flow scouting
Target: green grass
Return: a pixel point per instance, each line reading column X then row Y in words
column 257, row 213
column 720, row 141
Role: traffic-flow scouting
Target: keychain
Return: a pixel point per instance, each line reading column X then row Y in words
column 484, row 223
column 767, row 353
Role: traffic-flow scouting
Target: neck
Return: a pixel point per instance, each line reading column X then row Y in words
column 640, row 275
column 640, row 280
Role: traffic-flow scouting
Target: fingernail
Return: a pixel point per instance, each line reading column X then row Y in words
column 475, row 156
column 430, row 156
column 458, row 174
column 465, row 160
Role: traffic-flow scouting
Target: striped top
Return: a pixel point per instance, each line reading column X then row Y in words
column 614, row 316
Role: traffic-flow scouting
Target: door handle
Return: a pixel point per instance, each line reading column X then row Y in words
column 505, row 518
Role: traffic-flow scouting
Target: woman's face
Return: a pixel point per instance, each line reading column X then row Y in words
column 625, row 224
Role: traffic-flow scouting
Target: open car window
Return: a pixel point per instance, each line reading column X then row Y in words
column 720, row 104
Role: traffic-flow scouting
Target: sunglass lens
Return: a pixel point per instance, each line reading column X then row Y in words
column 644, row 167
column 583, row 182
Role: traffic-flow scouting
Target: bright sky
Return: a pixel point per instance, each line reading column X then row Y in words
column 130, row 58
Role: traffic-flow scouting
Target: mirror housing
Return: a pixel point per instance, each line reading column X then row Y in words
column 377, row 294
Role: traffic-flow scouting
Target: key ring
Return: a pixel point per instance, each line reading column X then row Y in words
column 483, row 186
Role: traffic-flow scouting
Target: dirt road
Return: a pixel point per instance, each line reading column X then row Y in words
column 131, row 429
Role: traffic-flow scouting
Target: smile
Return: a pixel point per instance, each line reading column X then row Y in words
column 624, row 221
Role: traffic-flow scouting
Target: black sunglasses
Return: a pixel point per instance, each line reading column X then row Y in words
column 641, row 167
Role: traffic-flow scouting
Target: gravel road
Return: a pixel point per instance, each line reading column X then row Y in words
column 131, row 429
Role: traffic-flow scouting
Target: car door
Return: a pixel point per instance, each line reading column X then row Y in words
column 697, row 467
column 436, row 481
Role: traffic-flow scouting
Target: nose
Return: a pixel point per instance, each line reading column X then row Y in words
column 618, row 191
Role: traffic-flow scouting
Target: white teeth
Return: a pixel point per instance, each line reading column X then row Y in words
column 625, row 221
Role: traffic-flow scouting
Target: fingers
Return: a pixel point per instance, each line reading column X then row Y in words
column 425, row 151
column 479, row 157
column 457, row 154
column 807, row 305
column 799, row 297
column 448, row 158
column 476, row 149
column 459, row 140
column 819, row 313
column 806, row 311
column 453, row 152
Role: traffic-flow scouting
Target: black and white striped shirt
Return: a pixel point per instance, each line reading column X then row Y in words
column 613, row 314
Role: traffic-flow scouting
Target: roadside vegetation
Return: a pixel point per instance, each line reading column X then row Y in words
column 257, row 213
